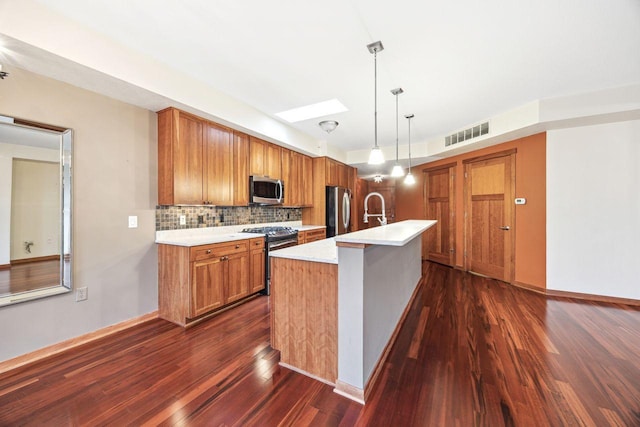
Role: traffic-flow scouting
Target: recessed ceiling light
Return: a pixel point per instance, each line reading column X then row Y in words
column 325, row 108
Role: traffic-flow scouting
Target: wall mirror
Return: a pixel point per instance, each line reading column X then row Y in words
column 35, row 210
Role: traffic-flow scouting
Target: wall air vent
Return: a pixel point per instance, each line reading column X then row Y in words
column 467, row 134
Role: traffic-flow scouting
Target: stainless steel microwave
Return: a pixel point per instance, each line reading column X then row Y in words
column 266, row 191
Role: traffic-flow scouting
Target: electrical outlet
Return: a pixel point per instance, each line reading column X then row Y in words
column 82, row 294
column 183, row 220
column 133, row 221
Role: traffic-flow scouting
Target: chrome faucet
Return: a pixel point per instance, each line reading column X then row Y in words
column 383, row 220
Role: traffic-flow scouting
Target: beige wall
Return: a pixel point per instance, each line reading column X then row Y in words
column 114, row 175
column 35, row 209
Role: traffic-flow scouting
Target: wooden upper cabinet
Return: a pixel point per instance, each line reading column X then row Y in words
column 218, row 161
column 289, row 177
column 307, row 180
column 200, row 162
column 297, row 174
column 240, row 169
column 274, row 161
column 180, row 158
column 264, row 159
column 338, row 174
column 257, row 156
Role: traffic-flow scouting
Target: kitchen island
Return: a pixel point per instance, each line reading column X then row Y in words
column 337, row 303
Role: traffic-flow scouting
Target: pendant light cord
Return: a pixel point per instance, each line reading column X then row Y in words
column 409, row 144
column 397, row 128
column 375, row 97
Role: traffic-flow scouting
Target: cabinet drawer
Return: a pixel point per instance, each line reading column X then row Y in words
column 313, row 235
column 256, row 243
column 199, row 253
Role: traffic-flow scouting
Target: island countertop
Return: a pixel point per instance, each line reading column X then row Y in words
column 319, row 251
column 396, row 234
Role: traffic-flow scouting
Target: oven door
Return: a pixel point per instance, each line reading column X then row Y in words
column 282, row 244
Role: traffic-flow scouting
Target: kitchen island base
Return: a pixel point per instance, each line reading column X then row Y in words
column 347, row 313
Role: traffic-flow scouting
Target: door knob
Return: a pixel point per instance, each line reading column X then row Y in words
column 505, row 227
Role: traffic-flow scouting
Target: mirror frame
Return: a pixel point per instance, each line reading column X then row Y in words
column 66, row 209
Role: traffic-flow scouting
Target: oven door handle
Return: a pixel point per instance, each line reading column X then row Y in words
column 283, row 243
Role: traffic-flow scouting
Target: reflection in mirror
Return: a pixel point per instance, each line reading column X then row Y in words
column 35, row 211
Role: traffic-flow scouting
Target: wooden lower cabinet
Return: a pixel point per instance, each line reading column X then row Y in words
column 195, row 281
column 309, row 236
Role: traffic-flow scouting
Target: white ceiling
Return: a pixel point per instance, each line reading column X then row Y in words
column 459, row 62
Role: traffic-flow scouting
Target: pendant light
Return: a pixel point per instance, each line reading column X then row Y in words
column 397, row 170
column 409, row 179
column 375, row 157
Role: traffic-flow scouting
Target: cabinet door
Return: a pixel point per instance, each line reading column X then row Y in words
column 274, row 161
column 288, row 172
column 343, row 175
column 237, row 280
column 218, row 155
column 307, row 181
column 332, row 172
column 257, row 270
column 240, row 169
column 187, row 161
column 207, row 292
column 257, row 156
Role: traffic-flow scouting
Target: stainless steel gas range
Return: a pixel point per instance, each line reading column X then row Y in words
column 276, row 237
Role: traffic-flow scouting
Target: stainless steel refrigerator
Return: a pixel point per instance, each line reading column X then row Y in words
column 338, row 211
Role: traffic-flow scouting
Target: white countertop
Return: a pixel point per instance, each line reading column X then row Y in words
column 396, row 234
column 209, row 235
column 319, row 251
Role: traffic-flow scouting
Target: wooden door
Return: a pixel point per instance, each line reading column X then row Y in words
column 237, row 280
column 489, row 216
column 188, row 164
column 438, row 243
column 218, row 155
column 207, row 292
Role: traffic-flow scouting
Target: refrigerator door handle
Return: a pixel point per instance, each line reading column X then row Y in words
column 346, row 210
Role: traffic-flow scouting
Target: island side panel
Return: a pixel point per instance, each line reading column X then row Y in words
column 304, row 316
column 173, row 283
column 391, row 274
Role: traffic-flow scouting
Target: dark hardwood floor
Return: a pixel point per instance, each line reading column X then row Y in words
column 472, row 352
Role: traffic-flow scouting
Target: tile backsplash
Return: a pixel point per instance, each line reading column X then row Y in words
column 168, row 217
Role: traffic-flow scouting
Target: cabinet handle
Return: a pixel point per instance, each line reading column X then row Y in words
column 208, row 251
column 224, row 258
column 237, row 246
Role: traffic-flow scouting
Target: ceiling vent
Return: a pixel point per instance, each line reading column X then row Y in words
column 467, row 134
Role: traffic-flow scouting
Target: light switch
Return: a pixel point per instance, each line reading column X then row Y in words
column 133, row 221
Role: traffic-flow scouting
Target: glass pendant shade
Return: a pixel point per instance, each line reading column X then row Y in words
column 397, row 171
column 376, row 157
column 409, row 179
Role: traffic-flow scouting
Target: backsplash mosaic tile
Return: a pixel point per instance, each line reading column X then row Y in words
column 168, row 217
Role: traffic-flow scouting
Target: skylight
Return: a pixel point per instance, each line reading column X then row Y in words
column 312, row 111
